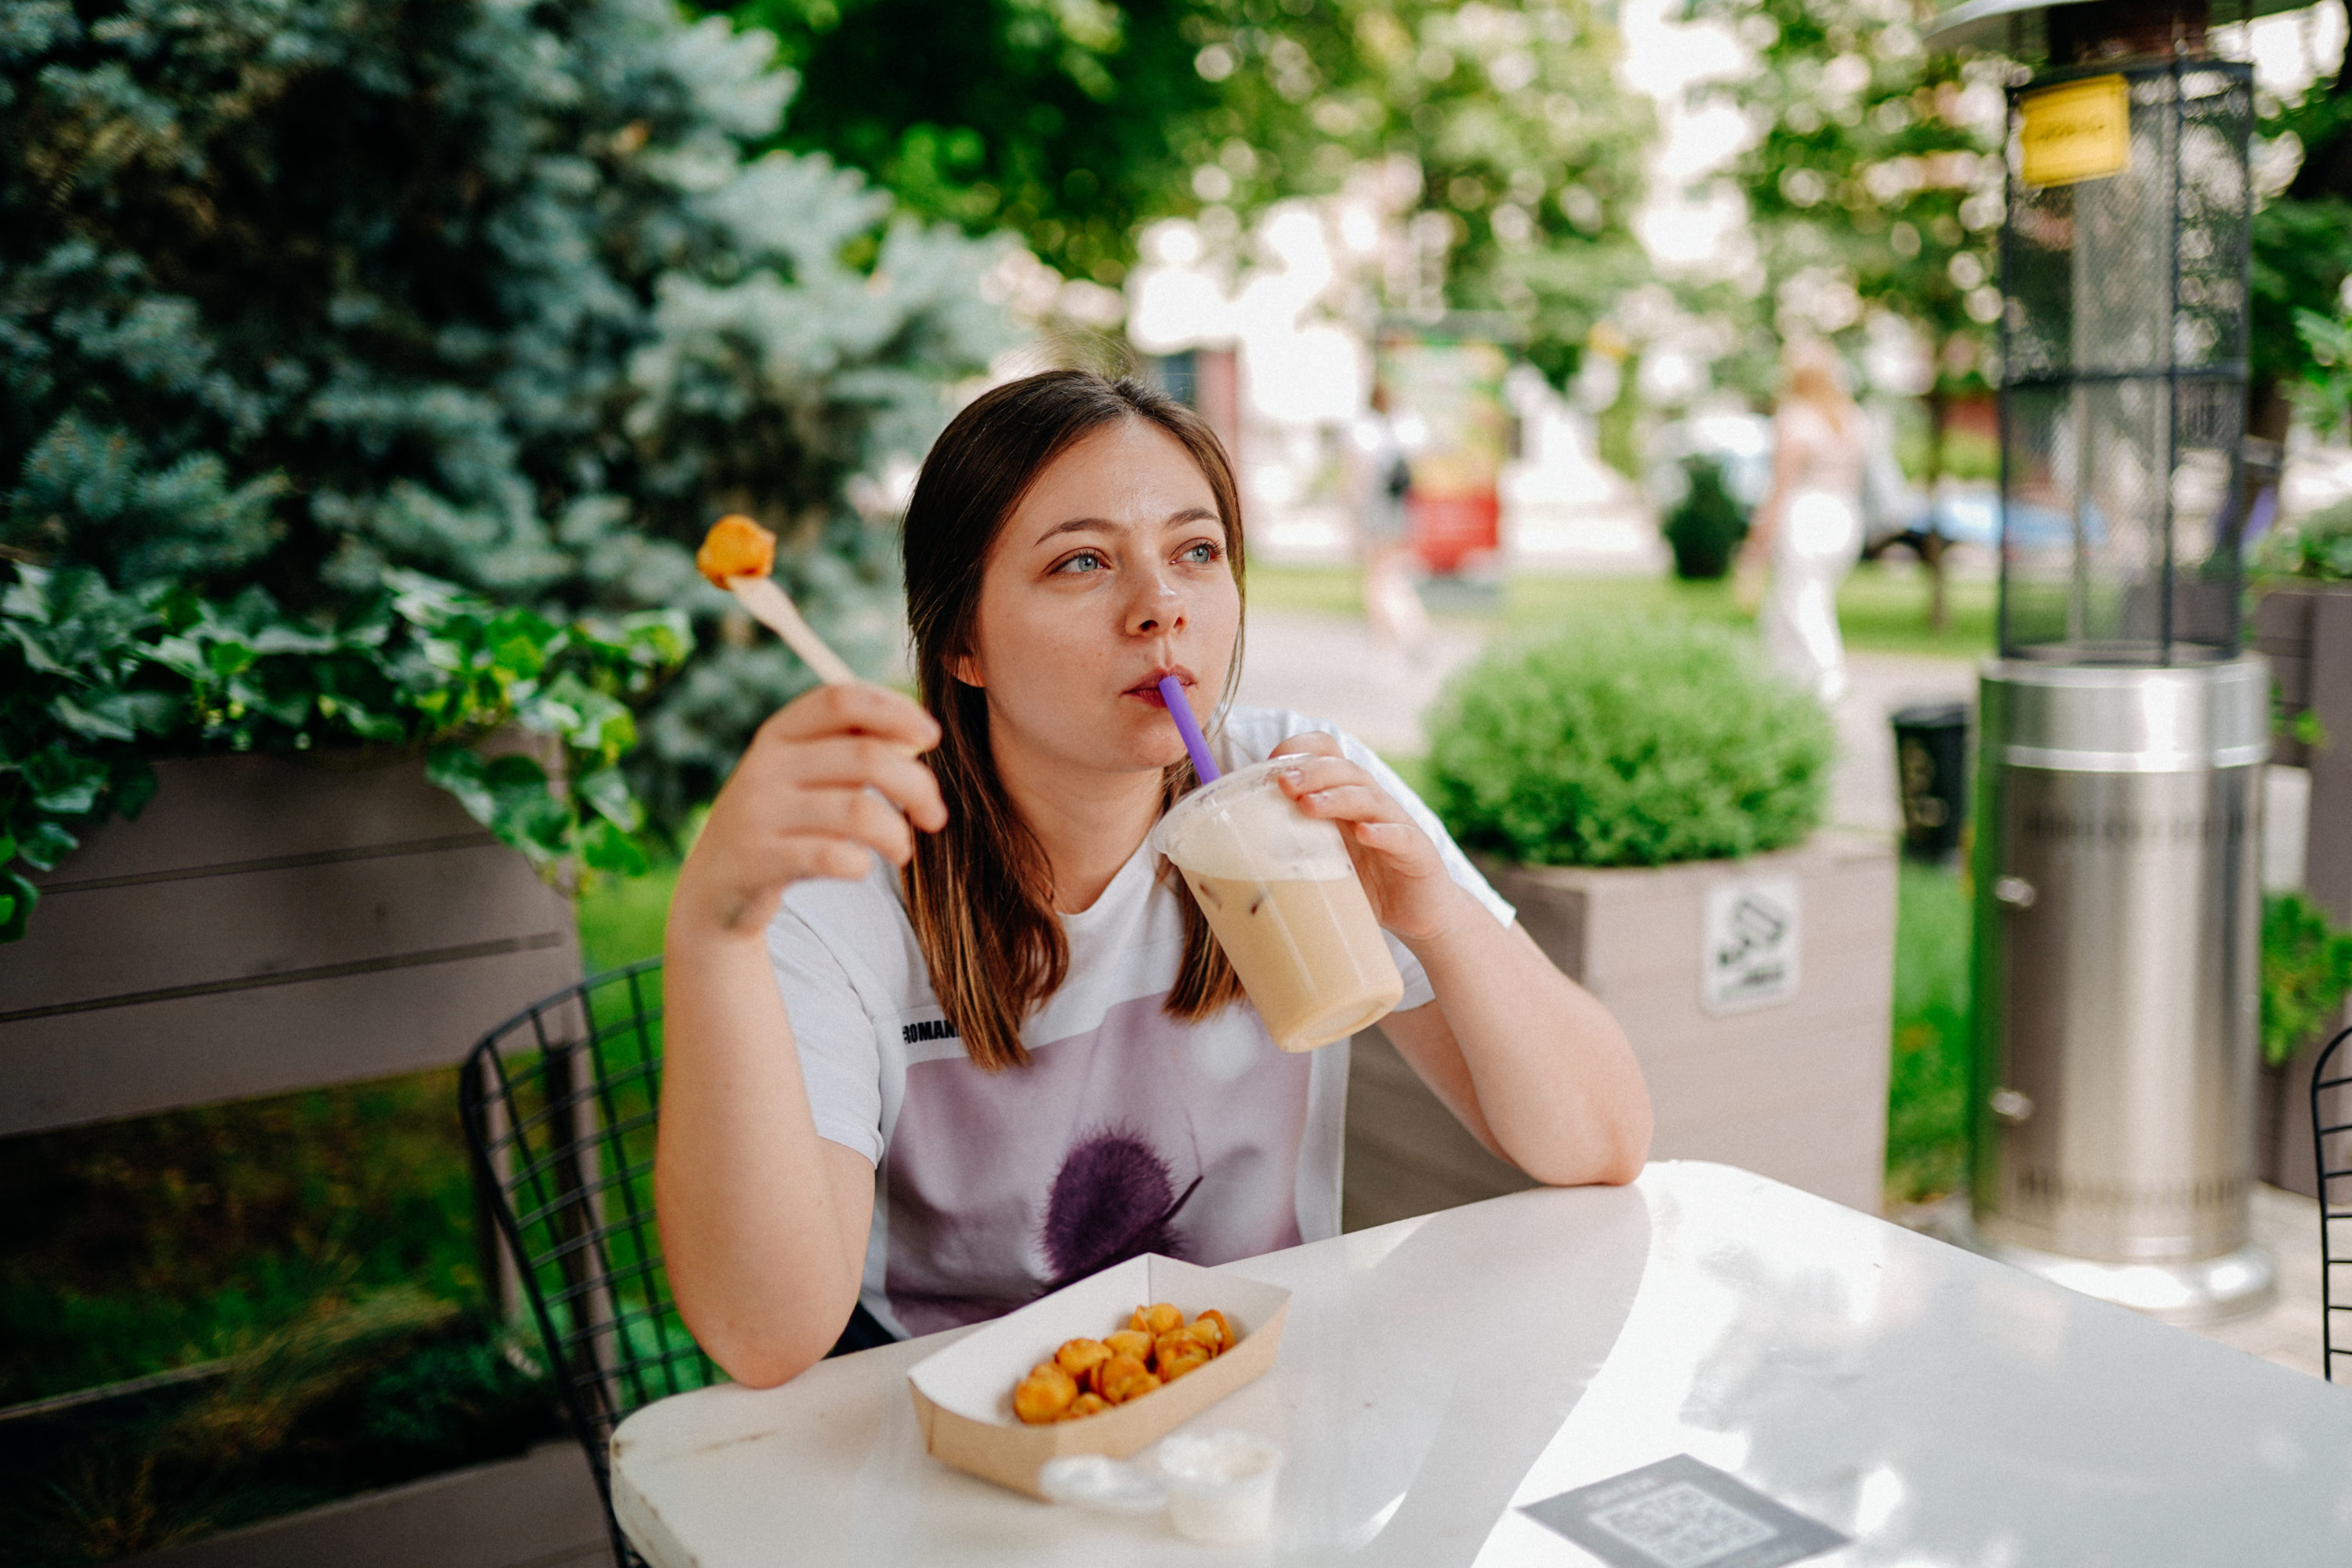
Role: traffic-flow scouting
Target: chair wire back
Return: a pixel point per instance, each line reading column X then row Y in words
column 558, row 1105
column 2331, row 1140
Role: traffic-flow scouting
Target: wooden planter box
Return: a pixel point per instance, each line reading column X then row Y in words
column 1786, row 1075
column 2305, row 631
column 269, row 924
column 540, row 1511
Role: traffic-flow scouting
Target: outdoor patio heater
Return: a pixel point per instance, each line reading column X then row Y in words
column 2122, row 732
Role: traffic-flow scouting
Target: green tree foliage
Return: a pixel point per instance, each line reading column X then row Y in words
column 1876, row 180
column 2302, row 252
column 295, row 294
column 1075, row 124
column 1051, row 120
column 1628, row 742
column 1528, row 151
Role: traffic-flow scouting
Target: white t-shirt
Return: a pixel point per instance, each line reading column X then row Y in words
column 1127, row 1133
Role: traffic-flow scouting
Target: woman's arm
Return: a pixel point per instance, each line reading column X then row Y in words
column 763, row 1221
column 1527, row 1059
column 1789, row 448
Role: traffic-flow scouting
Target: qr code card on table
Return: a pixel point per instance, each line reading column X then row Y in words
column 1680, row 1513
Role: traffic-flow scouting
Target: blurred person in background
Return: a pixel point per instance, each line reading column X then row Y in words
column 1382, row 472
column 1807, row 535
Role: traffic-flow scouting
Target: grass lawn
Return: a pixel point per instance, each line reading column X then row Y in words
column 621, row 918
column 1880, row 609
column 1927, row 1091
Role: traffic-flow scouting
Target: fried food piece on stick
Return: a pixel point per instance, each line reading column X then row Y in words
column 1044, row 1394
column 735, row 547
column 737, row 556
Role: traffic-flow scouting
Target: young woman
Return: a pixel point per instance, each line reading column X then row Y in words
column 1808, row 533
column 943, row 1035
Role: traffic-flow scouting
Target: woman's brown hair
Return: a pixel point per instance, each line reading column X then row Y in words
column 980, row 892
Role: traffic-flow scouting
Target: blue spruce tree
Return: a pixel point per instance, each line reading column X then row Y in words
column 303, row 295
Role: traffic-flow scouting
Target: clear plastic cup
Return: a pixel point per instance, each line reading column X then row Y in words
column 1281, row 895
column 1221, row 1485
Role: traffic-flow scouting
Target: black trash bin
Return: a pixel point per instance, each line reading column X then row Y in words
column 1931, row 771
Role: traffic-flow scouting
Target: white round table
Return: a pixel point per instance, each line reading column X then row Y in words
column 1438, row 1374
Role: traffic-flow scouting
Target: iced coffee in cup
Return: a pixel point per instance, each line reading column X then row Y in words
column 1282, row 897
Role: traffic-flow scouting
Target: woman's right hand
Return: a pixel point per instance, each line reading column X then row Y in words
column 828, row 778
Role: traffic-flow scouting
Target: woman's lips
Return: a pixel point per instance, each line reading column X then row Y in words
column 1148, row 692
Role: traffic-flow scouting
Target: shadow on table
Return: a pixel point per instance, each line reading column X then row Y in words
column 1459, row 1352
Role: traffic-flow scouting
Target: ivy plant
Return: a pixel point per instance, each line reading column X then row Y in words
column 96, row 681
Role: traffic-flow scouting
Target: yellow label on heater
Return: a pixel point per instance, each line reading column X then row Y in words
column 2078, row 131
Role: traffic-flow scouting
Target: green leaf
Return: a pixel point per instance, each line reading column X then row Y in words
column 606, row 848
column 225, row 659
column 63, row 782
column 462, row 773
column 132, row 786
column 607, row 790
column 43, row 847
column 96, row 721
column 17, row 898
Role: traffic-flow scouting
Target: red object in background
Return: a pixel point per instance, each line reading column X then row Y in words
column 1449, row 530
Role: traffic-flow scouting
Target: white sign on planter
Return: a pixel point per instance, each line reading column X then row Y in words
column 1753, row 933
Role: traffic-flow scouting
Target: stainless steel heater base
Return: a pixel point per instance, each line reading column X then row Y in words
column 2192, row 1295
column 2118, row 929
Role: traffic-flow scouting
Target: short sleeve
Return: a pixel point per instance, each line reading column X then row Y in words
column 1417, row 990
column 840, row 1062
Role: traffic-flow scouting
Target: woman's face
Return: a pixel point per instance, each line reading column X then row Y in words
column 1110, row 573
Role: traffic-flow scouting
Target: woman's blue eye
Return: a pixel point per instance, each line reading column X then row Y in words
column 1202, row 554
column 1086, row 561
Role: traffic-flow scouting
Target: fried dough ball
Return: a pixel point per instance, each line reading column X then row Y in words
column 1129, row 1341
column 736, row 547
column 1178, row 1353
column 1080, row 1357
column 1044, row 1394
column 1159, row 1318
column 1084, row 1405
column 1211, row 1322
column 1122, row 1378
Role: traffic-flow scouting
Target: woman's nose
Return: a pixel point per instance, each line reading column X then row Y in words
column 1158, row 608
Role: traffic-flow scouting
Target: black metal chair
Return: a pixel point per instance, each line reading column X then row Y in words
column 2331, row 1140
column 559, row 1105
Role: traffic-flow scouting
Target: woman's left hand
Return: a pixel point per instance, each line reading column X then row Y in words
column 1410, row 891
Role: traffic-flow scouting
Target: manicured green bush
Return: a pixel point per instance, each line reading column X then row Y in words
column 1624, row 743
column 1705, row 528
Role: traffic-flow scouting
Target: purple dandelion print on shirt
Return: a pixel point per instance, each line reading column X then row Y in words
column 1113, row 1199
column 1118, row 1140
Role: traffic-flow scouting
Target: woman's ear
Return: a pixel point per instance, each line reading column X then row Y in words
column 965, row 668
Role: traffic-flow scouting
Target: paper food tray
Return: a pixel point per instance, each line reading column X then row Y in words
column 963, row 1395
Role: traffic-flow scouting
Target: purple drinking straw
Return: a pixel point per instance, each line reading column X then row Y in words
column 1172, row 692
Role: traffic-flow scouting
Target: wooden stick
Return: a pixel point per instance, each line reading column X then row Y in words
column 774, row 609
